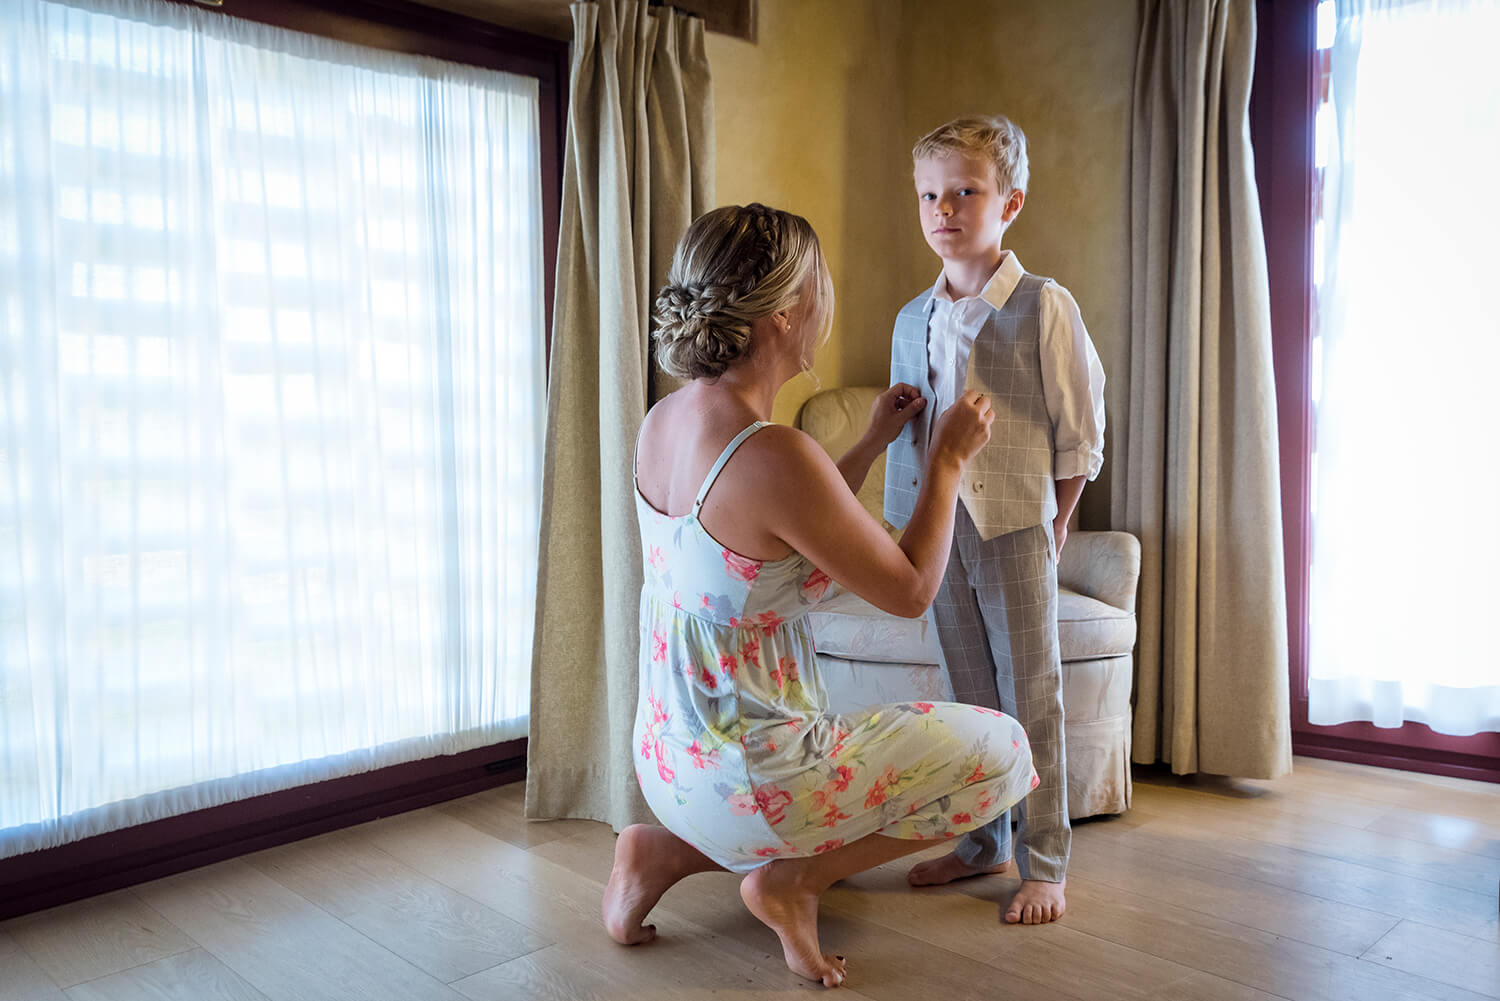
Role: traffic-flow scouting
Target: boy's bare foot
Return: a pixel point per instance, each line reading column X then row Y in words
column 648, row 860
column 935, row 872
column 791, row 911
column 1036, row 903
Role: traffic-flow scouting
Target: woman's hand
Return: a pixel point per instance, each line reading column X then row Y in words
column 892, row 411
column 963, row 429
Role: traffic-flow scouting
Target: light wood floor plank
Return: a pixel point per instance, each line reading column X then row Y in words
column 1442, row 956
column 1144, row 862
column 564, row 906
column 1280, row 797
column 710, row 901
column 1438, row 828
column 1337, row 883
column 430, row 925
column 1180, row 834
column 21, row 979
column 280, row 943
column 561, row 974
column 187, row 976
column 96, row 937
column 1407, row 790
column 500, row 813
column 1237, row 953
column 1207, row 987
column 1058, row 955
column 1377, row 847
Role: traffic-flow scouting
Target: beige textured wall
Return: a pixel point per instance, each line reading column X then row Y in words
column 820, row 115
column 807, row 120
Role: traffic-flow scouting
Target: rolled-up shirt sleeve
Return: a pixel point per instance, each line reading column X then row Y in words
column 1073, row 385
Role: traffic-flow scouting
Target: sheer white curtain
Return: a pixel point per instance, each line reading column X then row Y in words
column 1406, row 545
column 271, row 397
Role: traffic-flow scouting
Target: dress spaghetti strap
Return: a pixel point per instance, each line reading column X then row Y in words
column 718, row 466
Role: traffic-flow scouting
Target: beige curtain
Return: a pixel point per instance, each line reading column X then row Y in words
column 638, row 169
column 1196, row 468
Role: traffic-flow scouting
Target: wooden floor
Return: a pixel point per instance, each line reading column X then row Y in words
column 1341, row 882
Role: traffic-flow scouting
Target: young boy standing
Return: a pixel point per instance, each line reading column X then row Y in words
column 988, row 325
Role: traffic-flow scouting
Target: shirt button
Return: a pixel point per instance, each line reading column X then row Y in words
column 913, row 482
column 978, row 485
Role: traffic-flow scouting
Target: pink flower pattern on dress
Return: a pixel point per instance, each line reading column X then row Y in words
column 746, row 760
column 741, row 567
column 815, row 586
column 772, row 801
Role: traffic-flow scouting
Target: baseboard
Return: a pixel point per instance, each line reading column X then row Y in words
column 116, row 859
column 1479, row 768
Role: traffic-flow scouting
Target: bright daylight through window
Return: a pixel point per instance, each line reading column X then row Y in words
column 271, row 397
column 1405, row 542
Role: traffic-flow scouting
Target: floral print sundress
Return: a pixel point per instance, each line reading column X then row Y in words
column 735, row 751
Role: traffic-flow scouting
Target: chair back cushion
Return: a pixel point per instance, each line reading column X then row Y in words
column 836, row 418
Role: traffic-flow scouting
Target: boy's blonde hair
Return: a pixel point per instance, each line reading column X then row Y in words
column 994, row 137
column 733, row 266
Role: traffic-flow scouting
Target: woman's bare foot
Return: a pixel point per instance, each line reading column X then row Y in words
column 648, row 860
column 1037, row 903
column 790, row 909
column 935, row 872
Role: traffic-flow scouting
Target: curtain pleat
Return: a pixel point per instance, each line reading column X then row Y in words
column 638, row 169
column 1196, row 470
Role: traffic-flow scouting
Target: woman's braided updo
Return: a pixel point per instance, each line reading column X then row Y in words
column 733, row 266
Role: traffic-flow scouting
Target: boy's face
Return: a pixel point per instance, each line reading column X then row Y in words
column 962, row 210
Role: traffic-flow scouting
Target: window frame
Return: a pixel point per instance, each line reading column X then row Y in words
column 115, row 859
column 1289, row 75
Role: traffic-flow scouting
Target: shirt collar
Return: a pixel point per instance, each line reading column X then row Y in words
column 996, row 291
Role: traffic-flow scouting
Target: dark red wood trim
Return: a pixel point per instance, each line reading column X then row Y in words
column 1281, row 116
column 1288, row 86
column 83, row 868
column 402, row 26
column 554, row 124
column 1417, row 749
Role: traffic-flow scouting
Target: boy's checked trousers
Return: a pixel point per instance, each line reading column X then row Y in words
column 996, row 618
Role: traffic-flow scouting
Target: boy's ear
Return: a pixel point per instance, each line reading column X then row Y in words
column 1013, row 206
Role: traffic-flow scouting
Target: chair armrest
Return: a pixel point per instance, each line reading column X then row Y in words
column 1102, row 565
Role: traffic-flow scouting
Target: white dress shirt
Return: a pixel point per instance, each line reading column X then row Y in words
column 1072, row 378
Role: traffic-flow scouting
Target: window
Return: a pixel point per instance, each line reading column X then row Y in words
column 271, row 398
column 1374, row 125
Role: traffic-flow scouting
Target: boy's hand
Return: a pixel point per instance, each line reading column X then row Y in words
column 963, row 429
column 892, row 411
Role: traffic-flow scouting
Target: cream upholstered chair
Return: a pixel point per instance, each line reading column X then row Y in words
column 867, row 656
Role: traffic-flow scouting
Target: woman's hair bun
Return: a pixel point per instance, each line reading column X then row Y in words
column 733, row 266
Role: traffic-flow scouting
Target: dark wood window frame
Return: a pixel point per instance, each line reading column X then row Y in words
column 116, row 859
column 1287, row 90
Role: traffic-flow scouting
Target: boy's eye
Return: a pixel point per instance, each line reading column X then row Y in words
column 966, row 191
column 927, row 196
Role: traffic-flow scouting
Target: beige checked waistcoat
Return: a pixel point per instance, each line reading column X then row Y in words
column 1008, row 486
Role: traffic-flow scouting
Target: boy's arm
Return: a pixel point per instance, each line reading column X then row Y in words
column 1073, row 385
column 1068, row 492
